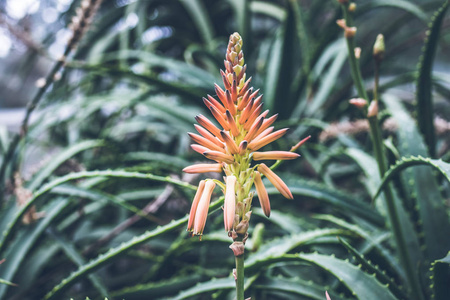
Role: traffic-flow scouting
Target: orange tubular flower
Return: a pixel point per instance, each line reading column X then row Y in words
column 194, row 205
column 202, row 208
column 262, row 193
column 276, row 181
column 243, row 129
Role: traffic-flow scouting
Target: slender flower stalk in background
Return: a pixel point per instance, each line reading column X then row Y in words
column 245, row 128
column 371, row 109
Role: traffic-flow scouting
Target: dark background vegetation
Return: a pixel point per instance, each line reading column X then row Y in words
column 128, row 95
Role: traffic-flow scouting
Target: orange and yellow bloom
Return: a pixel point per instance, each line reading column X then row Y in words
column 244, row 129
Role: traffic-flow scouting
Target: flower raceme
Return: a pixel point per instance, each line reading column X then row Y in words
column 245, row 129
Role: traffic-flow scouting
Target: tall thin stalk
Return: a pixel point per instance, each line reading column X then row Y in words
column 79, row 25
column 378, row 147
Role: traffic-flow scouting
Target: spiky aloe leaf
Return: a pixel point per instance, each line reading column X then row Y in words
column 362, row 285
column 285, row 244
column 373, row 269
column 390, row 262
column 19, row 249
column 295, row 286
column 211, row 286
column 56, row 161
column 70, row 250
column 421, row 185
column 341, row 201
column 18, row 214
column 441, row 278
column 424, row 84
column 114, row 253
column 407, row 162
column 158, row 289
column 407, row 6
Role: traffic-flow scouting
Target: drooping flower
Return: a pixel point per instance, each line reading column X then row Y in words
column 244, row 129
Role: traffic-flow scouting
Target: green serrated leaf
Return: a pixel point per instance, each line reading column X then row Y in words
column 211, row 286
column 371, row 269
column 113, row 253
column 285, row 244
column 19, row 212
column 362, row 285
column 297, row 287
column 56, row 161
column 424, row 105
column 441, row 278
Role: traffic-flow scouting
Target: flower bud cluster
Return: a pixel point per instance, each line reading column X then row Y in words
column 244, row 129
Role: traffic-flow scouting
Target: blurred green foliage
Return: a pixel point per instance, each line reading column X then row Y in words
column 111, row 137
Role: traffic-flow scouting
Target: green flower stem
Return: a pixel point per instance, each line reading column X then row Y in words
column 240, row 277
column 377, row 140
column 354, row 66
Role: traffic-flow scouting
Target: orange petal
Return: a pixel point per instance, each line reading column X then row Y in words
column 199, row 148
column 267, row 123
column 202, row 208
column 203, row 168
column 299, row 144
column 230, row 203
column 245, row 99
column 243, row 147
column 219, row 117
column 230, row 103
column 256, row 144
column 232, row 123
column 213, row 102
column 264, row 133
column 202, row 120
column 262, row 193
column 194, row 205
column 254, row 129
column 231, row 145
column 246, row 112
column 253, row 117
column 275, row 155
column 219, row 156
column 226, row 83
column 276, row 181
column 221, row 95
column 234, row 92
column 205, row 133
column 205, row 142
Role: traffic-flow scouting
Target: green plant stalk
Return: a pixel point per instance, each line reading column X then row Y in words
column 240, row 277
column 24, row 126
column 377, row 141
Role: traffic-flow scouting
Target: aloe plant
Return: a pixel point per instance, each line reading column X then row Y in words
column 102, row 210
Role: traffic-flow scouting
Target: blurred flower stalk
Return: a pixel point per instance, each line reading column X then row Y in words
column 370, row 109
column 246, row 128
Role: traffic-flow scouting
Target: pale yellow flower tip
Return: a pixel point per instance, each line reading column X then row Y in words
column 262, row 193
column 194, row 205
column 276, row 181
column 229, row 209
column 202, row 208
column 203, row 168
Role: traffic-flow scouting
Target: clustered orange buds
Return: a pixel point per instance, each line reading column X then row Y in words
column 243, row 129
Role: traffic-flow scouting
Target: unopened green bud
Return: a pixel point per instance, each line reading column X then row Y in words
column 237, row 69
column 242, row 227
column 379, row 48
